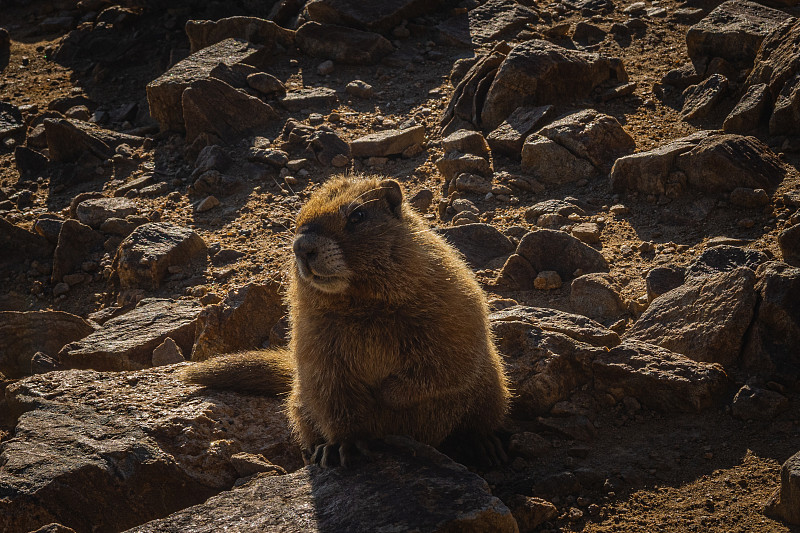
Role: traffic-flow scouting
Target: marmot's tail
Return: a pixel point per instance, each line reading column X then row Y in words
column 266, row 372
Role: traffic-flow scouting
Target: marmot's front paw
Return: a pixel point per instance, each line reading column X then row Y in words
column 343, row 453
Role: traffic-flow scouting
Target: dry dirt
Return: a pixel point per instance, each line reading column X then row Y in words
column 644, row 471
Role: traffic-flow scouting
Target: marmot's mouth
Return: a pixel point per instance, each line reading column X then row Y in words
column 330, row 283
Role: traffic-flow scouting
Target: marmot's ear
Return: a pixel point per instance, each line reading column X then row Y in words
column 394, row 195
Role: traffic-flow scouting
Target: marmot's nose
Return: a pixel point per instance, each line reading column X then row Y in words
column 305, row 248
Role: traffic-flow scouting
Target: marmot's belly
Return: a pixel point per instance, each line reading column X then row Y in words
column 428, row 422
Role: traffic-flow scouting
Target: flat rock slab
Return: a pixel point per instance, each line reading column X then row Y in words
column 704, row 319
column 144, row 257
column 164, row 93
column 22, row 334
column 658, row 378
column 407, row 487
column 147, row 442
column 310, row 98
column 203, row 33
column 380, row 15
column 701, row 100
column 509, row 136
column 343, row 45
column 95, row 211
column 577, row 327
column 555, row 250
column 724, row 258
column 538, row 72
column 490, row 22
column 388, row 142
column 214, row 108
column 480, row 243
column 733, row 31
column 127, row 342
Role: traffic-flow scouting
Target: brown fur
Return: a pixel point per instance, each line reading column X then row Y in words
column 389, row 328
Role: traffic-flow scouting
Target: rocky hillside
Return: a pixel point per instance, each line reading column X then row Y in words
column 622, row 177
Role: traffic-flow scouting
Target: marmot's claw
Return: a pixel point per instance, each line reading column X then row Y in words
column 494, row 451
column 334, row 454
column 322, row 454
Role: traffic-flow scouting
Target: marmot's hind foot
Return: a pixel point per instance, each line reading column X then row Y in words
column 476, row 449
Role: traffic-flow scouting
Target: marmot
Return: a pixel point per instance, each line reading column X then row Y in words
column 389, row 331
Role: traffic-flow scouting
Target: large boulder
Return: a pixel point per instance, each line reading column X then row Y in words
column 144, row 257
column 405, row 486
column 555, row 250
column 23, row 334
column 550, row 355
column 109, row 451
column 213, row 108
column 771, row 347
column 544, row 367
column 538, row 72
column 777, row 65
column 241, row 321
column 704, row 319
column 785, row 502
column 789, row 243
column 733, row 31
column 489, row 22
column 126, row 342
column 165, row 92
column 76, row 243
column 703, row 161
column 479, row 243
column 343, row 45
column 591, row 135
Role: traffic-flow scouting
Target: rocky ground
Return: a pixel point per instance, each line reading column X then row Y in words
column 623, row 178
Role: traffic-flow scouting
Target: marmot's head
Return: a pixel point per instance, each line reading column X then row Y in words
column 351, row 235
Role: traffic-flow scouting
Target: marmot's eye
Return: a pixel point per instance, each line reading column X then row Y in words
column 356, row 216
